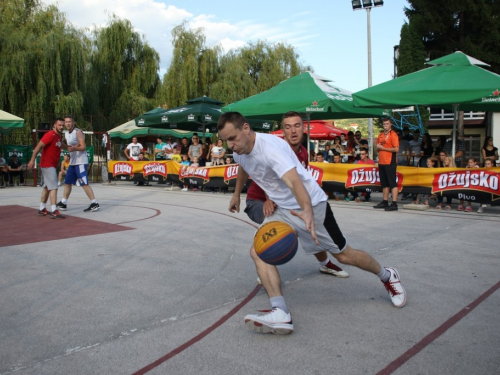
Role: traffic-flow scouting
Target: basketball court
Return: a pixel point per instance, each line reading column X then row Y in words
column 158, row 282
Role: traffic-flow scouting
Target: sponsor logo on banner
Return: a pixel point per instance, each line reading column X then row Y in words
column 187, row 172
column 123, row 168
column 155, row 168
column 483, row 181
column 164, row 118
column 230, row 172
column 140, row 122
column 191, row 117
column 317, row 174
column 208, row 118
column 266, row 125
column 368, row 176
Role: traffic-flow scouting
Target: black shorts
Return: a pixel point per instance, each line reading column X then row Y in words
column 387, row 175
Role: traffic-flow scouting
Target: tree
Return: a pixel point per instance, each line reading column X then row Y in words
column 470, row 26
column 411, row 52
column 124, row 74
column 43, row 62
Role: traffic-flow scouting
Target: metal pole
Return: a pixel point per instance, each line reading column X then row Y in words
column 369, row 43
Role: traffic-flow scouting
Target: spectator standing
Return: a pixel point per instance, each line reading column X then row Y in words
column 489, row 151
column 184, row 146
column 406, row 134
column 4, row 172
column 416, row 148
column 168, row 150
column 194, row 149
column 50, row 145
column 459, row 149
column 159, row 146
column 132, row 150
column 176, row 155
column 365, row 159
column 404, row 151
column 327, row 154
column 448, row 162
column 388, row 147
column 184, row 164
column 488, row 163
column 441, row 141
column 427, row 149
column 15, row 170
column 471, row 163
column 359, row 143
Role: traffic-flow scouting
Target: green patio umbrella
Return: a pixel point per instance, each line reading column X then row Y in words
column 454, row 82
column 9, row 122
column 129, row 130
column 309, row 94
column 197, row 115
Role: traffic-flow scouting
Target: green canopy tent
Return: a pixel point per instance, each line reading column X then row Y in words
column 309, row 94
column 197, row 115
column 129, row 130
column 9, row 122
column 454, row 81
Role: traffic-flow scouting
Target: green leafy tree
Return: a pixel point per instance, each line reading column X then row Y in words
column 470, row 26
column 43, row 62
column 124, row 74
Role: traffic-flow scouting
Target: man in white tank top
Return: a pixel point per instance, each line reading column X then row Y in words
column 77, row 170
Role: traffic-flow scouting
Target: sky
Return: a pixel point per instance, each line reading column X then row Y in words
column 328, row 35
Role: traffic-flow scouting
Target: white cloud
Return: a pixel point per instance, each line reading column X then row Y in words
column 155, row 20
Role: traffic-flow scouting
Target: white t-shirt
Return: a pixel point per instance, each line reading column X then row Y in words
column 134, row 150
column 169, row 146
column 217, row 151
column 269, row 160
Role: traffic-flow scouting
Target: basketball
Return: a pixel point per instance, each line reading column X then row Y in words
column 275, row 242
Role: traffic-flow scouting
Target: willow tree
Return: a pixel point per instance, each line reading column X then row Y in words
column 43, row 62
column 255, row 68
column 193, row 69
column 124, row 74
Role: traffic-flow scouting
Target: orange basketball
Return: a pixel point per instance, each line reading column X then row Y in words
column 276, row 242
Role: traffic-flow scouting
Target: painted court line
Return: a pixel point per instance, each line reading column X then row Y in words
column 200, row 336
column 417, row 348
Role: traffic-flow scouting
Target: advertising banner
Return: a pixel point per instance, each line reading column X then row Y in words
column 480, row 185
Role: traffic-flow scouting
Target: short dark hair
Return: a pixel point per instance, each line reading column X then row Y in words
column 350, row 132
column 363, row 149
column 57, row 119
column 235, row 118
column 291, row 114
column 383, row 119
column 160, row 138
column 69, row 116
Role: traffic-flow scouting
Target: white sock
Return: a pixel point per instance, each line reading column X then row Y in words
column 325, row 262
column 93, row 201
column 64, row 201
column 384, row 275
column 53, row 207
column 42, row 206
column 279, row 302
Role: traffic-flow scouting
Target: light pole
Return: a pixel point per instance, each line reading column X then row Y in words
column 368, row 5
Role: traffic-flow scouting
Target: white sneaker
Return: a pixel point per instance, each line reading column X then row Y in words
column 273, row 321
column 335, row 271
column 184, row 189
column 480, row 209
column 395, row 289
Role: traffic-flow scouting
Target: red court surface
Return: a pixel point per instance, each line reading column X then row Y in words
column 25, row 226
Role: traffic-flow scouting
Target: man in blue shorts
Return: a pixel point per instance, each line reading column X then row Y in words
column 302, row 204
column 77, row 170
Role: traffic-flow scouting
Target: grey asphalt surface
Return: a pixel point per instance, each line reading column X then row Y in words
column 115, row 303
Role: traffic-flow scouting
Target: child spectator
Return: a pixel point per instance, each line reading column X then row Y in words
column 229, row 160
column 488, row 163
column 64, row 168
column 184, row 164
column 448, row 162
column 424, row 198
column 471, row 163
column 176, row 155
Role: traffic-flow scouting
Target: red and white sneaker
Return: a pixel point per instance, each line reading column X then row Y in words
column 333, row 269
column 272, row 321
column 395, row 289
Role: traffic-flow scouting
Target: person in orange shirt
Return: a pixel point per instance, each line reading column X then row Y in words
column 388, row 147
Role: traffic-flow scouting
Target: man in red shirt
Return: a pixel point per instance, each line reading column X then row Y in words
column 388, row 147
column 258, row 204
column 50, row 145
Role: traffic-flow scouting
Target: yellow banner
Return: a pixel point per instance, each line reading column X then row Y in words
column 474, row 184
